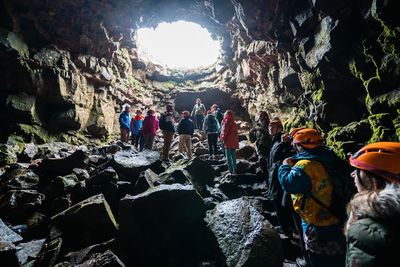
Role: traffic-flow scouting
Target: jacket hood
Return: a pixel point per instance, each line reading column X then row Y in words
column 321, row 154
column 382, row 205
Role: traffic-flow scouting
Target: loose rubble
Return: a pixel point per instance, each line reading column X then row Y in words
column 63, row 205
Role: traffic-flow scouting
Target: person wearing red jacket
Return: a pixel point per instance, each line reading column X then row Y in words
column 149, row 129
column 229, row 136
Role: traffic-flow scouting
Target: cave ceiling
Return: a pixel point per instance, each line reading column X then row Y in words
column 321, row 63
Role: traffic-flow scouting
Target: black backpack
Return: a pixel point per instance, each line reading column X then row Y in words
column 162, row 122
column 343, row 187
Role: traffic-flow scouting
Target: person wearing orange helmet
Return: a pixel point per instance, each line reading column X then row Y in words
column 372, row 229
column 305, row 177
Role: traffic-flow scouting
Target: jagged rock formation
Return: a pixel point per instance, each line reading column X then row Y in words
column 69, row 65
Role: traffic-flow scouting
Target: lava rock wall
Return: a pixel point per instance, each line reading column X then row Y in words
column 69, row 66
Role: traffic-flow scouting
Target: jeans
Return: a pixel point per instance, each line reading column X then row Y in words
column 231, row 158
column 185, row 142
column 138, row 140
column 212, row 139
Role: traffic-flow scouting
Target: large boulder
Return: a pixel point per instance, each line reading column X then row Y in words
column 64, row 166
column 6, row 234
column 199, row 172
column 17, row 205
column 61, row 185
column 19, row 178
column 129, row 163
column 29, row 250
column 7, row 155
column 245, row 152
column 245, row 237
column 87, row 222
column 166, row 221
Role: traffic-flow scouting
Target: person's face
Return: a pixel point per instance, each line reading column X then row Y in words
column 198, row 101
column 128, row 109
column 213, row 109
column 361, row 181
column 274, row 130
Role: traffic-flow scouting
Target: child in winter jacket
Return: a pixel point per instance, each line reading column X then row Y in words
column 149, row 129
column 229, row 136
column 136, row 129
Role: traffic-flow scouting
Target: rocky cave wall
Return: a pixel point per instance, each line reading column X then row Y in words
column 68, row 66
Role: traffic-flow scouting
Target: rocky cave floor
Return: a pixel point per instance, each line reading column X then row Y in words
column 67, row 205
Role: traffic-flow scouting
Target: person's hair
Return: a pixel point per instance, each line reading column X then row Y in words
column 198, row 99
column 169, row 107
column 139, row 111
column 127, row 106
column 150, row 112
column 263, row 114
column 214, row 106
column 380, row 205
column 186, row 113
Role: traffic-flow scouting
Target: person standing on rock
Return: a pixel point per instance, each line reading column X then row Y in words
column 372, row 229
column 229, row 136
column 125, row 123
column 168, row 128
column 304, row 176
column 185, row 131
column 280, row 150
column 260, row 135
column 211, row 127
column 199, row 111
column 136, row 130
column 149, row 129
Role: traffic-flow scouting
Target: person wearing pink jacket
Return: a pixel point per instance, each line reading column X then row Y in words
column 149, row 129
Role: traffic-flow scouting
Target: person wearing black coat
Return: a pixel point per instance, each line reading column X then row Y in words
column 185, row 131
column 279, row 151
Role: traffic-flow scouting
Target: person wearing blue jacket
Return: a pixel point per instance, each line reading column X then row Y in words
column 125, row 123
column 305, row 178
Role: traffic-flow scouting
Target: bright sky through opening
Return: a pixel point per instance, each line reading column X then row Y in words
column 179, row 44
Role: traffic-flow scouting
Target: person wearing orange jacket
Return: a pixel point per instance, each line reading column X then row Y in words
column 229, row 135
column 372, row 229
column 305, row 178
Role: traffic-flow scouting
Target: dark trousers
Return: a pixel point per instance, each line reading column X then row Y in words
column 199, row 121
column 136, row 140
column 212, row 139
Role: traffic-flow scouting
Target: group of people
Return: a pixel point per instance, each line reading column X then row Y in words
column 297, row 169
column 302, row 185
column 216, row 125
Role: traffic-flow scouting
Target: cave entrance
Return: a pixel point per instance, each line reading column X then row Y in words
column 180, row 44
column 225, row 101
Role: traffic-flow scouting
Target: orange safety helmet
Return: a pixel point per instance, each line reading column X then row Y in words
column 294, row 131
column 308, row 138
column 186, row 113
column 381, row 158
